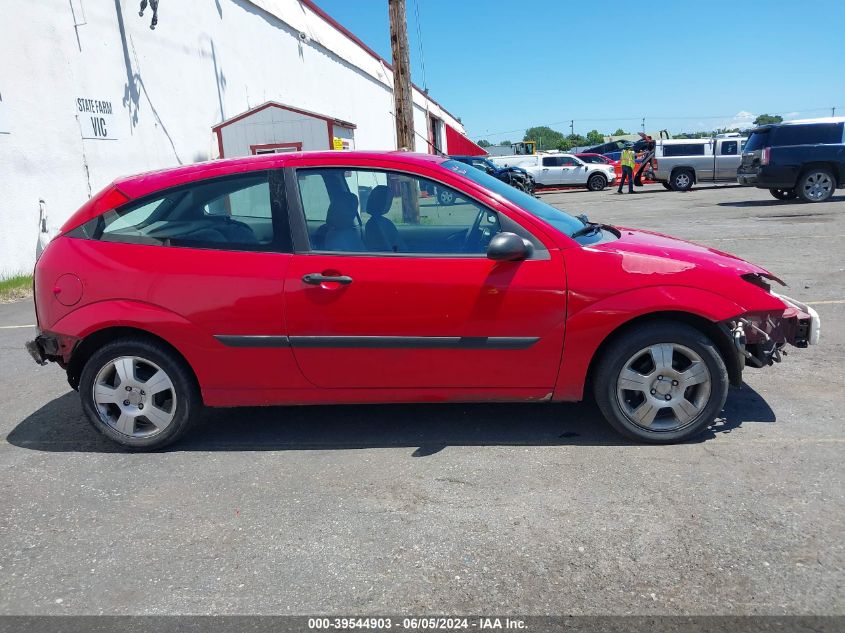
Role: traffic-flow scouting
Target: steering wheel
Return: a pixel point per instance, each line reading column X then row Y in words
column 477, row 238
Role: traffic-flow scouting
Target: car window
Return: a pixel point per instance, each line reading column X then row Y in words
column 314, row 194
column 729, row 148
column 684, row 149
column 550, row 161
column 556, row 218
column 568, row 161
column 757, row 141
column 376, row 211
column 226, row 214
column 809, row 134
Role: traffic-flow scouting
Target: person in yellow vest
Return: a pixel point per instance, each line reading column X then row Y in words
column 629, row 161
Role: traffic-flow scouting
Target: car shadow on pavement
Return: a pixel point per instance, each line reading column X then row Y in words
column 59, row 426
column 774, row 203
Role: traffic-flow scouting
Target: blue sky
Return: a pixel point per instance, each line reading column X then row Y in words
column 503, row 65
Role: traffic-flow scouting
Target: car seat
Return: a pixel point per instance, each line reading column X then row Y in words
column 380, row 234
column 340, row 232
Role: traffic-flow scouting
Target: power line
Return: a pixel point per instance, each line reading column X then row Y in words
column 420, row 42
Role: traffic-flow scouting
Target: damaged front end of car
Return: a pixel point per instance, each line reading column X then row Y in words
column 760, row 338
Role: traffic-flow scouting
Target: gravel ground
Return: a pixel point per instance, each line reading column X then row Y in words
column 536, row 509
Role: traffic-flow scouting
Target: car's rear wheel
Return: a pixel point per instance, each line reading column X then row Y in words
column 682, row 180
column 817, row 185
column 784, row 194
column 139, row 394
column 596, row 182
column 662, row 383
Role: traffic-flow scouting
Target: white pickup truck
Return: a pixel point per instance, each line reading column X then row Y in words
column 561, row 170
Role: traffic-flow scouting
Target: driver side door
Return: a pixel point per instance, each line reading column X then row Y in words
column 432, row 312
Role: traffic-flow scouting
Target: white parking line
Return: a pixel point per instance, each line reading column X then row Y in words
column 822, row 303
column 775, row 237
column 14, row 327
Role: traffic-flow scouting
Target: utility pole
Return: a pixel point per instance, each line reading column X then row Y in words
column 643, row 125
column 833, row 111
column 403, row 105
column 572, row 127
column 402, row 98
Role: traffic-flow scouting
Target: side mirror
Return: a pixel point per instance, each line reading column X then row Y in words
column 508, row 247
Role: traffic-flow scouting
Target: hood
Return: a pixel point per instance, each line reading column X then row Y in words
column 645, row 252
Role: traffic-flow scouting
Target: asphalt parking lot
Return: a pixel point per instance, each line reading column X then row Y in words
column 525, row 509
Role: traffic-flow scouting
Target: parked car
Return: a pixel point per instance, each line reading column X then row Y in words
column 609, row 147
column 681, row 163
column 514, row 176
column 601, row 159
column 561, row 170
column 261, row 281
column 803, row 159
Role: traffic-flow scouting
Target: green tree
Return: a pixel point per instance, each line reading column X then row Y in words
column 504, row 143
column 564, row 146
column 576, row 140
column 764, row 119
column 483, row 143
column 546, row 137
column 594, row 137
column 619, row 132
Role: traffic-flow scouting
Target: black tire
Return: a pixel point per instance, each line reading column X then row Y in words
column 784, row 194
column 825, row 180
column 682, row 180
column 667, row 186
column 596, row 182
column 188, row 402
column 637, row 341
column 446, row 197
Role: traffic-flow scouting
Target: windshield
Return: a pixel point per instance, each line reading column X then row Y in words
column 560, row 220
column 757, row 140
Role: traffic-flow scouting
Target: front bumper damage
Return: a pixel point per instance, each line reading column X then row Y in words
column 760, row 337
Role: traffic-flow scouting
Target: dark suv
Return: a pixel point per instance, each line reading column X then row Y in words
column 514, row 176
column 803, row 159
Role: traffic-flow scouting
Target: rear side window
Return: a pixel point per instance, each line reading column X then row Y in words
column 757, row 141
column 684, row 149
column 225, row 214
column 809, row 134
column 729, row 148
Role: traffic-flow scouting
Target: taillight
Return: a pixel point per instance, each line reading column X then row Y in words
column 765, row 155
column 654, row 162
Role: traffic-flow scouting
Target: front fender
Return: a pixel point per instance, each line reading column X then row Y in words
column 588, row 328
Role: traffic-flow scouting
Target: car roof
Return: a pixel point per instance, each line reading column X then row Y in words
column 827, row 119
column 151, row 181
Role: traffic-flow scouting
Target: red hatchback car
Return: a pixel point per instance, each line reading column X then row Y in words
column 337, row 277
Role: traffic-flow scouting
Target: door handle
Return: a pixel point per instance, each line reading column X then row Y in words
column 315, row 279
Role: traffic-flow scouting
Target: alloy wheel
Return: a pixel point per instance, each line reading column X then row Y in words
column 682, row 181
column 134, row 396
column 663, row 387
column 818, row 186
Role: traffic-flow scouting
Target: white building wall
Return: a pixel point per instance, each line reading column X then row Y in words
column 205, row 62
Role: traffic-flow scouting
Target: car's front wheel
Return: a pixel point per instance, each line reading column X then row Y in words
column 139, row 394
column 662, row 383
column 784, row 194
column 817, row 185
column 597, row 182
